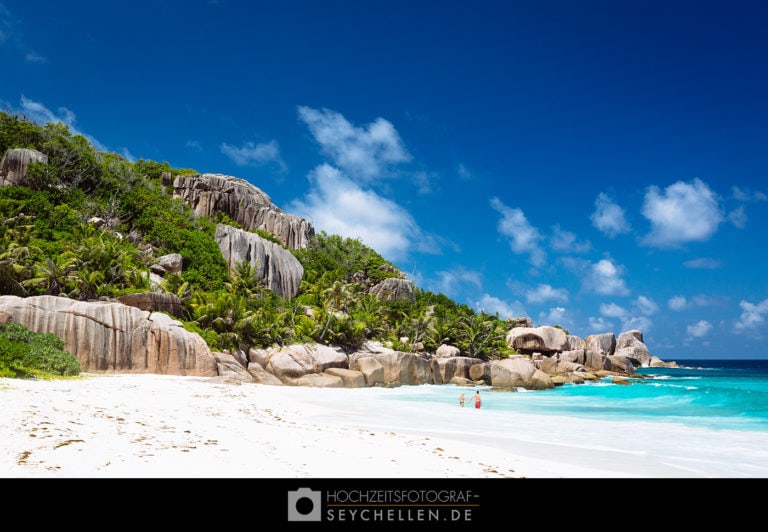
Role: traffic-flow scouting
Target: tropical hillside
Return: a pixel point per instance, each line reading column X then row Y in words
column 89, row 225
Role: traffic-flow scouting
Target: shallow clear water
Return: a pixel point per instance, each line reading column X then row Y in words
column 716, row 394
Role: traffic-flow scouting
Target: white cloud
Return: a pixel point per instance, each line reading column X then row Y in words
column 451, row 282
column 523, row 237
column 565, row 241
column 645, row 306
column 604, row 278
column 683, row 212
column 555, row 316
column 544, row 292
column 599, row 325
column 629, row 320
column 751, row 315
column 745, row 194
column 339, row 206
column 364, row 153
column 677, row 302
column 609, row 217
column 641, row 323
column 612, row 310
column 704, row 263
column 738, row 217
column 699, row 329
column 492, row 305
column 681, row 303
column 250, row 154
column 194, row 145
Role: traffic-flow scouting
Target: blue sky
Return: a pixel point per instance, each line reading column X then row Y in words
column 599, row 165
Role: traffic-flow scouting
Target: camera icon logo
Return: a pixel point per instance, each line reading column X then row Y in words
column 304, row 505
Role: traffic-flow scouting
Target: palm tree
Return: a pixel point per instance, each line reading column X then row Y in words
column 54, row 276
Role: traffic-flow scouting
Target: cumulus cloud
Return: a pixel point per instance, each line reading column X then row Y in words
column 612, row 310
column 604, row 277
column 630, row 318
column 683, row 212
column 641, row 323
column 493, row 305
column 645, row 306
column 463, row 172
column 699, row 329
column 677, row 303
column 608, row 216
column 703, row 263
column 451, row 282
column 251, row 154
column 599, row 325
column 523, row 237
column 364, row 153
column 752, row 314
column 337, row 205
column 566, row 242
column 194, row 145
column 545, row 292
column 555, row 316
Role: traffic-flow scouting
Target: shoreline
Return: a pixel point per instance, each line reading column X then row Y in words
column 163, row 426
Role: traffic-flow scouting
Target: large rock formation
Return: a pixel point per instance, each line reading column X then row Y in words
column 13, row 167
column 519, row 371
column 630, row 344
column 393, row 289
column 109, row 337
column 538, row 339
column 292, row 362
column 398, row 367
column 153, row 302
column 274, row 264
column 605, row 343
column 248, row 205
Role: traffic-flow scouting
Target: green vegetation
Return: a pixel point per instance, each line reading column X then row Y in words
column 50, row 245
column 27, row 354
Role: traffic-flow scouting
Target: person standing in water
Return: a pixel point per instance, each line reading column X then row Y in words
column 461, row 400
column 478, row 402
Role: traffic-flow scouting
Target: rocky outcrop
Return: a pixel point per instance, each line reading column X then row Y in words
column 398, row 367
column 445, row 369
column 320, row 380
column 372, row 370
column 574, row 342
column 447, row 351
column 292, row 362
column 605, row 343
column 229, row 367
column 349, row 377
column 171, row 263
column 109, row 337
column 248, row 205
column 518, row 371
column 393, row 289
column 13, row 167
column 281, row 271
column 630, row 344
column 537, row 339
column 153, row 302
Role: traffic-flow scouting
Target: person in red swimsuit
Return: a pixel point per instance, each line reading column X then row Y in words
column 478, row 402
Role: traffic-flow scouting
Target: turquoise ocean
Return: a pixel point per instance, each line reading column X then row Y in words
column 716, row 394
column 706, row 418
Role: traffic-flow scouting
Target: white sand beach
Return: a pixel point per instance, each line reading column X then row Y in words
column 153, row 426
